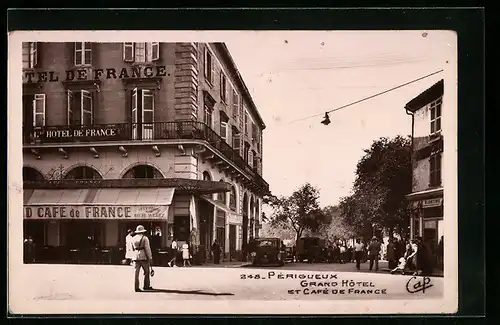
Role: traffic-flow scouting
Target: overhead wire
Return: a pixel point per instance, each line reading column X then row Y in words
column 366, row 98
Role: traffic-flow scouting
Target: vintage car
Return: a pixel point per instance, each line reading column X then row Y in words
column 310, row 249
column 268, row 251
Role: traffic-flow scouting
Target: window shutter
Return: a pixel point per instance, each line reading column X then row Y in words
column 128, row 52
column 35, row 54
column 87, row 53
column 70, row 107
column 250, row 158
column 205, row 63
column 39, row 110
column 236, row 101
column 155, row 47
column 212, row 67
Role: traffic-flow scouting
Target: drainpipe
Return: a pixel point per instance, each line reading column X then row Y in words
column 412, row 114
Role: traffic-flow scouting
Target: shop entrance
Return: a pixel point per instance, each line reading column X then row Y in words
column 232, row 241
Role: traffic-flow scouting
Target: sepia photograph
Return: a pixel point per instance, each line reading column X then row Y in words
column 232, row 172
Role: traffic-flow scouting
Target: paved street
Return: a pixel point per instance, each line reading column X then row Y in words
column 294, row 281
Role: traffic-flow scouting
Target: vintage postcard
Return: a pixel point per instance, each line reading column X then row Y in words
column 236, row 172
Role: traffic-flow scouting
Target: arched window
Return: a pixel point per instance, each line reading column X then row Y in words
column 143, row 171
column 83, row 172
column 221, row 196
column 206, row 176
column 32, row 175
column 232, row 198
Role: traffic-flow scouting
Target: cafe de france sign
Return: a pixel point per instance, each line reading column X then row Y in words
column 96, row 212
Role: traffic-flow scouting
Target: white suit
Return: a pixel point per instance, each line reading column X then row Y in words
column 129, row 247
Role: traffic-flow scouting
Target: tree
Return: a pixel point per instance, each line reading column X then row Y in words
column 334, row 226
column 383, row 178
column 300, row 211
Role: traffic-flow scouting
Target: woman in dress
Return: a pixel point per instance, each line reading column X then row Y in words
column 186, row 255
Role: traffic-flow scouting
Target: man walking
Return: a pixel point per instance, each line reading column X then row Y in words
column 391, row 254
column 173, row 252
column 359, row 247
column 373, row 253
column 142, row 258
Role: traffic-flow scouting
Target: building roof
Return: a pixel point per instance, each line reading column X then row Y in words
column 426, row 97
column 232, row 65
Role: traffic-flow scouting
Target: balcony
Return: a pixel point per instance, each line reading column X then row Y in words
column 138, row 133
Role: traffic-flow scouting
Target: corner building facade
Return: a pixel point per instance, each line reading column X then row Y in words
column 426, row 199
column 119, row 134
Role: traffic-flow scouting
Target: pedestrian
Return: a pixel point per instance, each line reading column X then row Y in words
column 440, row 253
column 142, row 258
column 424, row 265
column 173, row 253
column 391, row 254
column 373, row 253
column 216, row 251
column 29, row 250
column 129, row 247
column 186, row 255
column 342, row 253
column 359, row 248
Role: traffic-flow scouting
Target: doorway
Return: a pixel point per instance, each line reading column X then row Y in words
column 232, row 241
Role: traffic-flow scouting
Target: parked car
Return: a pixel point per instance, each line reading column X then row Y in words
column 310, row 249
column 269, row 251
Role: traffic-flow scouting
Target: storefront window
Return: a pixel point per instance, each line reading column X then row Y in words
column 84, row 234
column 232, row 199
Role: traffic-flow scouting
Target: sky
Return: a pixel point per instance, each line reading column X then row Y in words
column 294, row 75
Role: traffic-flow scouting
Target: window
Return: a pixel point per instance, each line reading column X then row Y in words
column 254, row 133
column 209, row 67
column 223, row 88
column 246, row 123
column 207, row 117
column 436, row 116
column 30, row 55
column 83, row 172
column 232, row 199
column 141, row 52
column 80, row 107
column 143, row 171
column 221, row 196
column 83, row 53
column 142, row 114
column 34, row 110
column 236, row 103
column 206, row 176
column 32, row 175
column 224, row 127
column 435, row 170
column 236, row 140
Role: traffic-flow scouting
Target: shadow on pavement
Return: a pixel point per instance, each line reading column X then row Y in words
column 190, row 292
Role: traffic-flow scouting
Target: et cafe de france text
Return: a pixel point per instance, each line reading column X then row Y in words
column 96, row 74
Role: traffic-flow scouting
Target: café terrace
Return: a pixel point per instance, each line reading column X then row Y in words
column 96, row 74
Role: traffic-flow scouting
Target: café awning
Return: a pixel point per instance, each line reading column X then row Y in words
column 107, row 196
column 108, row 203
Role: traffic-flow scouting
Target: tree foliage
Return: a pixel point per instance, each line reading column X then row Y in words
column 300, row 211
column 335, row 227
column 383, row 178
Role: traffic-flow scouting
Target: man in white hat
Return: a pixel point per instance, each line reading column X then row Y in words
column 142, row 258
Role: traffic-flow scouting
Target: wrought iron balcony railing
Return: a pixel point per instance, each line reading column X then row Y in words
column 179, row 130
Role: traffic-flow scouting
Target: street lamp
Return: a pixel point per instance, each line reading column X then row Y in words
column 326, row 119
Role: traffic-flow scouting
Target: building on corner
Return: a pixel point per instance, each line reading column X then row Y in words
column 426, row 199
column 119, row 134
